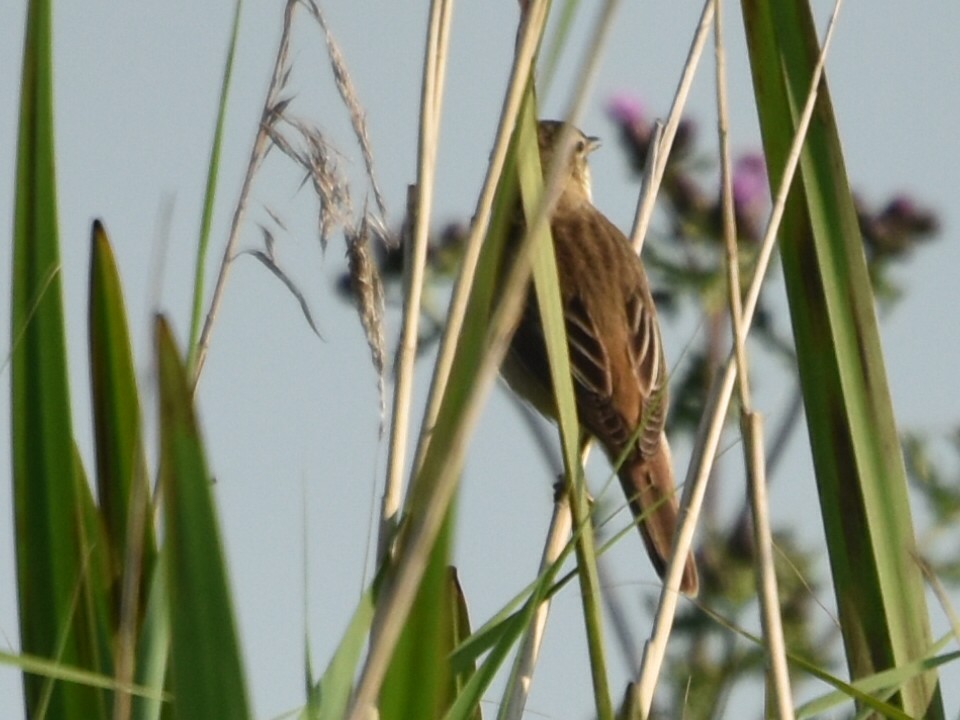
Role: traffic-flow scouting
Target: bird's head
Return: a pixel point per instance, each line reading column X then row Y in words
column 575, row 181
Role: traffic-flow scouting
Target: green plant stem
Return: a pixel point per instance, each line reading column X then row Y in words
column 210, row 195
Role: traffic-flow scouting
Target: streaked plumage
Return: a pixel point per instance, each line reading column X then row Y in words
column 616, row 357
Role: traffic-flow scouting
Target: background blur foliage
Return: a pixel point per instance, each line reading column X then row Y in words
column 684, row 259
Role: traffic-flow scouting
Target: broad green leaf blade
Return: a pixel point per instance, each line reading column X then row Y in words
column 52, row 506
column 205, row 653
column 418, row 680
column 124, row 492
column 857, row 458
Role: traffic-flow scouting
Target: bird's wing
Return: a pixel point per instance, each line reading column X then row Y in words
column 589, row 359
column 646, row 356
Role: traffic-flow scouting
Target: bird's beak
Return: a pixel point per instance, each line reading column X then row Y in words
column 592, row 144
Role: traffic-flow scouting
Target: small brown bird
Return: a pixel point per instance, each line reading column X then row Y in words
column 616, row 356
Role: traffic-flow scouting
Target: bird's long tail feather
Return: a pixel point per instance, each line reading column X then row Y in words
column 648, row 483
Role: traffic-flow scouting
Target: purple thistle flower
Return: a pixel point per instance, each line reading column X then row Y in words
column 749, row 181
column 626, row 109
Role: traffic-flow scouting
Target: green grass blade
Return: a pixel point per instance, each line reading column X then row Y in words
column 210, row 195
column 50, row 669
column 469, row 698
column 418, row 683
column 857, row 458
column 878, row 683
column 498, row 636
column 459, row 630
column 96, row 599
column 551, row 311
column 871, row 692
column 52, row 505
column 121, row 466
column 205, row 652
column 153, row 648
column 330, row 696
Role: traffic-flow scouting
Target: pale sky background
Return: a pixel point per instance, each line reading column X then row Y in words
column 291, row 421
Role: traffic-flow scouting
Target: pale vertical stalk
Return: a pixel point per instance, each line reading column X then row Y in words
column 557, row 536
column 648, row 196
column 778, row 690
column 414, row 265
column 396, row 597
column 751, row 423
column 729, row 218
column 718, row 402
column 519, row 76
column 260, row 145
column 398, row 593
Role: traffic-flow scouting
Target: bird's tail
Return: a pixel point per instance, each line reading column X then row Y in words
column 648, row 483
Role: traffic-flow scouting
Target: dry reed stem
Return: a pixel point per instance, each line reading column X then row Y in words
column 397, row 595
column 557, row 536
column 420, row 203
column 648, row 196
column 779, row 695
column 519, row 75
column 751, row 423
column 641, row 219
column 257, row 152
column 718, row 402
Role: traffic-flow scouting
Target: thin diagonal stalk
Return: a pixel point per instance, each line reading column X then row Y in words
column 649, row 192
column 641, row 218
column 213, row 170
column 261, row 144
column 708, row 437
column 440, row 482
column 751, row 423
column 526, row 661
column 414, row 265
column 729, row 218
column 397, row 596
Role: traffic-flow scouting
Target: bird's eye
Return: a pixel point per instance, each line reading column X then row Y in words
column 581, row 146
